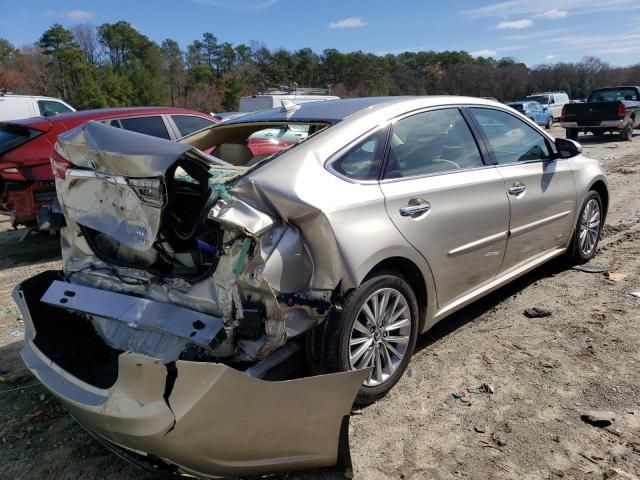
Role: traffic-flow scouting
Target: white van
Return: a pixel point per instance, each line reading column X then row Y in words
column 554, row 101
column 16, row 107
column 254, row 103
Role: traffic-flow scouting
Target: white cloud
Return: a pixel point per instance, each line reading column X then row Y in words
column 515, row 24
column 238, row 4
column 554, row 14
column 79, row 15
column 351, row 22
column 508, row 8
column 484, row 53
column 551, row 57
column 622, row 42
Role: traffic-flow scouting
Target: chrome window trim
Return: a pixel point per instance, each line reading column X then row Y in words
column 436, row 174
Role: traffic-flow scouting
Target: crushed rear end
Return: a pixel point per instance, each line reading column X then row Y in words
column 176, row 301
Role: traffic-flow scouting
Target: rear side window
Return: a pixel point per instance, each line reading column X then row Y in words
column 363, row 161
column 49, row 108
column 12, row 136
column 511, row 139
column 153, row 125
column 431, row 142
column 190, row 123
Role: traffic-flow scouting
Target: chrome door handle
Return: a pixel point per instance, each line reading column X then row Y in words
column 517, row 188
column 415, row 208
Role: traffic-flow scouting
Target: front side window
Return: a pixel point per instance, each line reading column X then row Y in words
column 431, row 142
column 510, row 138
column 363, row 161
column 153, row 125
column 190, row 123
column 49, row 108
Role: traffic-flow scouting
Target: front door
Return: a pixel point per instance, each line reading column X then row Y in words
column 540, row 188
column 445, row 201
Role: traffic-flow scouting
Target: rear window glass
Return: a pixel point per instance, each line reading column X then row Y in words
column 153, row 126
column 12, row 136
column 614, row 95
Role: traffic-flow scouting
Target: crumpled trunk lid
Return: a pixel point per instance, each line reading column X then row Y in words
column 119, row 188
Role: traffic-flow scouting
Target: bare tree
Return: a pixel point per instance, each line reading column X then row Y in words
column 86, row 36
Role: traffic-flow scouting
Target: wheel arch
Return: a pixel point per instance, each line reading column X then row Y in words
column 600, row 187
column 408, row 270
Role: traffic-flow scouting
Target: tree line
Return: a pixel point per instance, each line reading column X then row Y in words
column 114, row 64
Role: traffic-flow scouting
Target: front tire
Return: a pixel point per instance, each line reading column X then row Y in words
column 588, row 230
column 549, row 123
column 377, row 326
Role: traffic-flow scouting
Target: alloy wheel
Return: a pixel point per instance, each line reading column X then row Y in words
column 380, row 335
column 589, row 227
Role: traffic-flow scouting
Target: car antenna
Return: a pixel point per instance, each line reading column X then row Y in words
column 289, row 107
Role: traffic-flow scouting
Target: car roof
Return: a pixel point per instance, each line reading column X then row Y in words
column 39, row 97
column 333, row 111
column 104, row 113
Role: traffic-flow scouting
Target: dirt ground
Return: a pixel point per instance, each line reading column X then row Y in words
column 545, row 374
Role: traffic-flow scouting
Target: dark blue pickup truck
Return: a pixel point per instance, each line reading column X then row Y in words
column 611, row 109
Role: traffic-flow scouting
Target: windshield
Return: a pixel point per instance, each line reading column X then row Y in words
column 613, row 95
column 12, row 136
column 517, row 106
column 543, row 99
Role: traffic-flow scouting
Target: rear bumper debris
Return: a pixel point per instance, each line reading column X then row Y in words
column 196, row 418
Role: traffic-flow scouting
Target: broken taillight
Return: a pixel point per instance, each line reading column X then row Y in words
column 59, row 165
column 149, row 190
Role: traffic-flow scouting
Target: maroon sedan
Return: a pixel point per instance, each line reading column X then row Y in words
column 26, row 176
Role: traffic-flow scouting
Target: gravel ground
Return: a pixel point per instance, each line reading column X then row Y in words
column 545, row 374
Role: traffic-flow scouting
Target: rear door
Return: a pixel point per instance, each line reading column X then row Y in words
column 540, row 188
column 445, row 201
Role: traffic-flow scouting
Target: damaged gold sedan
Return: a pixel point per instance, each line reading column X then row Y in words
column 197, row 273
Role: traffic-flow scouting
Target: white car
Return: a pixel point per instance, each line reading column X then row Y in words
column 16, row 107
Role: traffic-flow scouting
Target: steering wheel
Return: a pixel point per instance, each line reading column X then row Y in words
column 450, row 162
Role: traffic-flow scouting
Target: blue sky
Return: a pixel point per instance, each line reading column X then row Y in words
column 533, row 31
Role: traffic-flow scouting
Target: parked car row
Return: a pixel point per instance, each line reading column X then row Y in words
column 26, row 145
column 190, row 280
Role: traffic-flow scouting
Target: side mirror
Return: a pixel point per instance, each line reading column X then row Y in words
column 568, row 148
column 50, row 114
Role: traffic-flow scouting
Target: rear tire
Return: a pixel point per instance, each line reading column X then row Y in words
column 626, row 134
column 572, row 133
column 588, row 230
column 350, row 339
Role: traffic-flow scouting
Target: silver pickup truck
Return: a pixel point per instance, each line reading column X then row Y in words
column 611, row 109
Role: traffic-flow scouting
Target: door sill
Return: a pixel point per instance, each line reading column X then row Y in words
column 494, row 284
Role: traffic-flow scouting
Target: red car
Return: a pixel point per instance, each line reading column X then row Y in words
column 26, row 177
